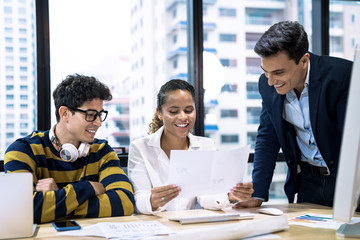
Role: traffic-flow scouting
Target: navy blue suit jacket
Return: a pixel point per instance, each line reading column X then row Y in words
column 328, row 89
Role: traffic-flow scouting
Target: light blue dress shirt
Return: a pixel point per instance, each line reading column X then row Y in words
column 296, row 111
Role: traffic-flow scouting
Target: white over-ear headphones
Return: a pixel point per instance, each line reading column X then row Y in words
column 68, row 152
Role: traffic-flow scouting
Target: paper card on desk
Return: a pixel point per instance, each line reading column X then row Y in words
column 134, row 230
column 207, row 172
column 123, row 230
column 318, row 221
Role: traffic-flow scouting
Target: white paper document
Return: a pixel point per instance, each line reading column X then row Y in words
column 319, row 221
column 123, row 230
column 207, row 172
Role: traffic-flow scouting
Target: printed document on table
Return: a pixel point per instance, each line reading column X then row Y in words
column 123, row 230
column 207, row 172
column 319, row 221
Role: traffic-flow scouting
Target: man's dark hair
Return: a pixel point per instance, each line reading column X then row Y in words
column 286, row 36
column 77, row 89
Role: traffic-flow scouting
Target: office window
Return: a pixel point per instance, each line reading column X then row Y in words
column 9, row 97
column 231, row 88
column 205, row 36
column 22, row 21
column 10, row 125
column 253, row 115
column 10, row 135
column 268, row 16
column 130, row 59
column 223, row 37
column 9, row 68
column 228, row 62
column 7, row 10
column 229, row 113
column 23, row 69
column 337, row 44
column 24, row 125
column 8, row 29
column 230, row 138
column 9, row 78
column 227, row 12
column 251, row 139
column 9, row 59
column 8, row 20
column 251, row 39
column 23, row 97
column 22, row 30
column 252, row 90
column 23, row 59
column 343, row 28
column 22, row 11
column 10, row 116
column 253, row 65
column 9, row 49
column 9, row 87
column 23, row 106
column 23, row 87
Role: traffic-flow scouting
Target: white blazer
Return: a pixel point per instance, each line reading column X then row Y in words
column 148, row 167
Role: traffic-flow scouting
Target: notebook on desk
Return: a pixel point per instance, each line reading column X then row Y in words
column 16, row 205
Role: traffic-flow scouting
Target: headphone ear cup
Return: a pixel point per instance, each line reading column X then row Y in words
column 69, row 153
column 83, row 149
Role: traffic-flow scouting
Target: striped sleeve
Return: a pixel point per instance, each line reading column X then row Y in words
column 50, row 205
column 118, row 200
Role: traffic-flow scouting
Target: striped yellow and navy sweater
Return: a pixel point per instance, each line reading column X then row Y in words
column 75, row 197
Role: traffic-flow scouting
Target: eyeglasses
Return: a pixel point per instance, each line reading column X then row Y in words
column 92, row 114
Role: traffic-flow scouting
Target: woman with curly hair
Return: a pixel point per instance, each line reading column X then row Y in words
column 149, row 157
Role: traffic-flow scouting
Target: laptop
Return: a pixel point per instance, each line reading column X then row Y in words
column 16, row 205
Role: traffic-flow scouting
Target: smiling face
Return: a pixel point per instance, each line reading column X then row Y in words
column 284, row 74
column 77, row 128
column 178, row 114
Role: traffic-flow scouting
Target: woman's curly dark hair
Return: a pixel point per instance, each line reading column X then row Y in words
column 77, row 89
column 164, row 92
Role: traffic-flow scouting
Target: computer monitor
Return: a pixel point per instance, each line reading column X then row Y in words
column 348, row 176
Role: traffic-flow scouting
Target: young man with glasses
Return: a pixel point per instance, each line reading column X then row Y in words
column 75, row 174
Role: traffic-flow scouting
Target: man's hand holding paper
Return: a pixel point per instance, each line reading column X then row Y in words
column 210, row 172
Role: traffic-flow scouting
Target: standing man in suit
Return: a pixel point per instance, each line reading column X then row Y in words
column 303, row 108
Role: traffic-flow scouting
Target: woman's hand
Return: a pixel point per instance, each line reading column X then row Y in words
column 162, row 195
column 241, row 192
